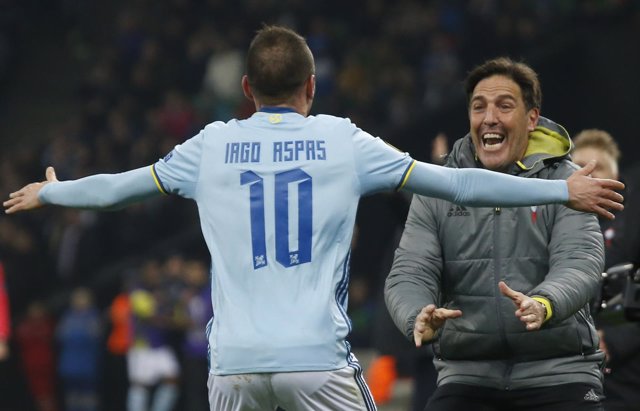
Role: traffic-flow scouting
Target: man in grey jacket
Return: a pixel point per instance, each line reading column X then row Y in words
column 503, row 293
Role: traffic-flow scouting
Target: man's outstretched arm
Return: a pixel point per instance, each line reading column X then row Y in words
column 484, row 188
column 100, row 191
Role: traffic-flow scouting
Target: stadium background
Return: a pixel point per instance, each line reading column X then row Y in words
column 106, row 86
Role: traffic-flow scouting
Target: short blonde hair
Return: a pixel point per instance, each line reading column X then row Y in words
column 598, row 139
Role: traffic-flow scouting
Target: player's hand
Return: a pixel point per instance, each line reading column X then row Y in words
column 593, row 195
column 428, row 320
column 27, row 197
column 529, row 311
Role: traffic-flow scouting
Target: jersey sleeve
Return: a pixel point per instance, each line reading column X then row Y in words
column 379, row 166
column 178, row 172
column 483, row 188
column 101, row 191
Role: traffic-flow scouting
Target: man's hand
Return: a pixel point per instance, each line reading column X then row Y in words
column 428, row 320
column 593, row 195
column 529, row 311
column 27, row 197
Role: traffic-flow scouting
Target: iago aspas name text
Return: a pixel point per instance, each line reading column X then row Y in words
column 293, row 150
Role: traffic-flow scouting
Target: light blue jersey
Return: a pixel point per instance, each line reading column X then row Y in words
column 277, row 197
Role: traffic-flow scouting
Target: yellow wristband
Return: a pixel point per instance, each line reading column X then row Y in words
column 547, row 306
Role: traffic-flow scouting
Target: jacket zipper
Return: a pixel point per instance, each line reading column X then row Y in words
column 584, row 322
column 496, row 278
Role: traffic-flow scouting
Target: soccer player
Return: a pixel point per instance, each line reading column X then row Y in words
column 277, row 195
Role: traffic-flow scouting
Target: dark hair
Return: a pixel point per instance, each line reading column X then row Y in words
column 278, row 62
column 519, row 72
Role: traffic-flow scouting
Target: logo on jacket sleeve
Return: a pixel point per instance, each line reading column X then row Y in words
column 591, row 396
column 458, row 211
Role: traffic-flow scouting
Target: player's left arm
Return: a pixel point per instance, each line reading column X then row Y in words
column 100, row 191
column 484, row 188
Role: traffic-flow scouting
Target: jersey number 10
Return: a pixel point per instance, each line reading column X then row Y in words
column 284, row 254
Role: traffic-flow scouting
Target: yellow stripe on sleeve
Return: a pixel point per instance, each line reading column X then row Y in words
column 406, row 175
column 157, row 180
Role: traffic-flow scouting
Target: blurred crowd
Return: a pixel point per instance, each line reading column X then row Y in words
column 156, row 72
column 84, row 358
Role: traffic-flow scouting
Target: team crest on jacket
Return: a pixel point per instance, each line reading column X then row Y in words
column 534, row 214
column 609, row 234
column 458, row 211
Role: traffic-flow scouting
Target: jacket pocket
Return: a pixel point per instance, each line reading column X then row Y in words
column 559, row 340
column 586, row 333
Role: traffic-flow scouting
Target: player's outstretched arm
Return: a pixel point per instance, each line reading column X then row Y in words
column 483, row 188
column 27, row 197
column 100, row 191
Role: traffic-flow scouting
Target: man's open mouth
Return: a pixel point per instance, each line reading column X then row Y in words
column 492, row 141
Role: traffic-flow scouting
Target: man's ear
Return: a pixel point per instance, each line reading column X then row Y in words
column 534, row 115
column 311, row 87
column 246, row 88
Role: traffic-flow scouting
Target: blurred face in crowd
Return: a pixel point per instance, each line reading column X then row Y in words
column 606, row 167
column 500, row 122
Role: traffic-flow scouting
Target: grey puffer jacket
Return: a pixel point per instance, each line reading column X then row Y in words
column 454, row 256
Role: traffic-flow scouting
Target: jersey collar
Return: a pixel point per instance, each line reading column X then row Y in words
column 271, row 109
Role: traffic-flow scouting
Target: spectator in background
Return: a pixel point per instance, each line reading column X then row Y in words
column 222, row 76
column 173, row 310
column 118, row 344
column 176, row 116
column 35, row 335
column 530, row 347
column 594, row 144
column 151, row 361
column 620, row 340
column 79, row 334
column 14, row 394
column 5, row 333
column 5, row 320
column 197, row 301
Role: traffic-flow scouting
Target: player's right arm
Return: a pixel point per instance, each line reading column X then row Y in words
column 100, row 191
column 176, row 173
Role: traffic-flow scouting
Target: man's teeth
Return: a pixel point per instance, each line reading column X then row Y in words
column 491, row 139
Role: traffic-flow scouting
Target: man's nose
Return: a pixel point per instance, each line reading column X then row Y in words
column 490, row 116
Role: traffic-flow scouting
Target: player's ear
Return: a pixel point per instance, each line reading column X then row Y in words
column 311, row 87
column 246, row 88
